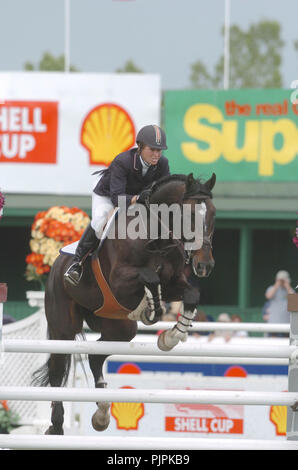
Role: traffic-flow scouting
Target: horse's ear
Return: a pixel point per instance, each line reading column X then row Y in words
column 190, row 180
column 211, row 182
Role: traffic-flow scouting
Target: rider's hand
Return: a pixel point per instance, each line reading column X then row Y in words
column 134, row 200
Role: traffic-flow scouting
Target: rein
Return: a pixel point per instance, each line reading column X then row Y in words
column 176, row 243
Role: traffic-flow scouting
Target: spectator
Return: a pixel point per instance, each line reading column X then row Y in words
column 239, row 333
column 226, row 334
column 265, row 310
column 277, row 294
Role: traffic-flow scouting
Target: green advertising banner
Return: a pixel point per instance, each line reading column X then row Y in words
column 241, row 135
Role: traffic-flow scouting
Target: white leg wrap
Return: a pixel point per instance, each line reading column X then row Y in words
column 146, row 302
column 150, row 301
column 136, row 314
column 170, row 338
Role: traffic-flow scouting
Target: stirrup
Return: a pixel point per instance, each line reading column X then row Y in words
column 69, row 277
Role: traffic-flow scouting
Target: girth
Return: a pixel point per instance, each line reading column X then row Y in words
column 111, row 307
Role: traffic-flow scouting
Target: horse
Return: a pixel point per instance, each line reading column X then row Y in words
column 125, row 280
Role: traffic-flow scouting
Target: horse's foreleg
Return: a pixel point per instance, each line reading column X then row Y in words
column 152, row 309
column 170, row 338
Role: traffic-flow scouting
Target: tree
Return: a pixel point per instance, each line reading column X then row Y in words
column 129, row 67
column 50, row 63
column 200, row 77
column 255, row 59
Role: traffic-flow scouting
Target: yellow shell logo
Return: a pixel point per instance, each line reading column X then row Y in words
column 278, row 416
column 107, row 131
column 127, row 415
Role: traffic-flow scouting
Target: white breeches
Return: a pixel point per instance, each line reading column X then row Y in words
column 101, row 207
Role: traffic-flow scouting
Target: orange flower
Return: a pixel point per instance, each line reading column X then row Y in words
column 50, row 228
column 4, row 405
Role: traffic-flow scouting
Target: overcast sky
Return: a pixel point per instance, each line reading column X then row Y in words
column 160, row 36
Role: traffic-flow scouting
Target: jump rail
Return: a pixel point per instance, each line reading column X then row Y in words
column 217, row 397
column 220, row 326
column 141, row 348
column 35, row 442
column 207, row 351
column 201, row 360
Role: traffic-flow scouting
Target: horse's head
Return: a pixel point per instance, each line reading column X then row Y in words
column 194, row 197
column 199, row 196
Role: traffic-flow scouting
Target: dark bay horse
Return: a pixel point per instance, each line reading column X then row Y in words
column 125, row 280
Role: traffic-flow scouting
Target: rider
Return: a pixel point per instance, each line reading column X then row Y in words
column 128, row 175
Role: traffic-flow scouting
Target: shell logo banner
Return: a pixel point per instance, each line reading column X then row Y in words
column 57, row 128
column 211, row 419
column 241, row 135
column 191, row 419
column 28, row 131
column 278, row 416
column 107, row 131
column 127, row 415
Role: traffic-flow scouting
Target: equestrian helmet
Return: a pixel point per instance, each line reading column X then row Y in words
column 153, row 136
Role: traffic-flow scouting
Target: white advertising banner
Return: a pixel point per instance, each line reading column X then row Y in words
column 190, row 420
column 56, row 128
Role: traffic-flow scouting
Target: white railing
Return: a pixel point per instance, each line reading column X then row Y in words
column 217, row 397
column 142, row 348
column 192, row 352
column 222, row 326
column 33, row 442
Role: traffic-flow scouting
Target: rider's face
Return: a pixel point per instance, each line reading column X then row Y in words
column 150, row 155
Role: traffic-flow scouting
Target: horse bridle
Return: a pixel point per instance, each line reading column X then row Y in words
column 176, row 243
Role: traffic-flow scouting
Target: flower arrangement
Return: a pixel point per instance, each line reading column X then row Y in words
column 2, row 202
column 8, row 419
column 50, row 231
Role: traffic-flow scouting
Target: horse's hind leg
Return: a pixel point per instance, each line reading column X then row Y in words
column 112, row 330
column 58, row 370
column 64, row 322
column 101, row 418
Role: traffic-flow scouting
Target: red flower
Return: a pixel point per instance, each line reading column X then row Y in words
column 4, row 405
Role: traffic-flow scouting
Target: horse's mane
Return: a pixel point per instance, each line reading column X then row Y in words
column 194, row 186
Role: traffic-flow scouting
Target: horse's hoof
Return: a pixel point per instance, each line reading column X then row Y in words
column 161, row 342
column 101, row 418
column 55, row 431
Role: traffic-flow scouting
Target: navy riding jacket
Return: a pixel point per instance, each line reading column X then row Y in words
column 124, row 176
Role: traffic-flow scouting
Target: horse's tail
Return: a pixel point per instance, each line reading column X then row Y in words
column 41, row 377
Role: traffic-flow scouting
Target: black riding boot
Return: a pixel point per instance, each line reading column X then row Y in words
column 87, row 244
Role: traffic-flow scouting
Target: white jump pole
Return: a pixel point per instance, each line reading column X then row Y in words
column 200, row 360
column 122, row 347
column 217, row 397
column 35, row 442
column 220, row 326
